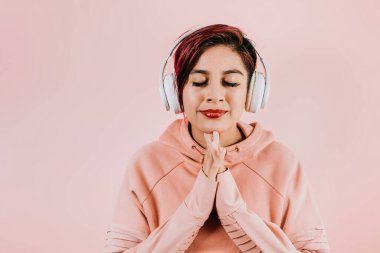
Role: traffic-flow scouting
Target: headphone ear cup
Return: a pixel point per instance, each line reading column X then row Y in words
column 255, row 92
column 163, row 92
column 171, row 94
column 249, row 92
column 266, row 91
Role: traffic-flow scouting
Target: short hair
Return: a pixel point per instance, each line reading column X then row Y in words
column 194, row 45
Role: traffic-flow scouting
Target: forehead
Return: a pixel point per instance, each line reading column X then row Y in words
column 220, row 58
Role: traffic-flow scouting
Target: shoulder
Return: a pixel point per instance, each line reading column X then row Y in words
column 278, row 153
column 156, row 154
column 149, row 164
column 276, row 164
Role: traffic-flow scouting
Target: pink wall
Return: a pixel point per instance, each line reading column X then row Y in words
column 79, row 94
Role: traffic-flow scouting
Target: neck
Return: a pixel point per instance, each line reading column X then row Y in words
column 226, row 138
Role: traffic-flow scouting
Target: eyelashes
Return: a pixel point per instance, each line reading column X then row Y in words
column 227, row 83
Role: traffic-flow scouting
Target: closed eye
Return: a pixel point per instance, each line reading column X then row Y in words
column 231, row 84
column 227, row 83
column 198, row 84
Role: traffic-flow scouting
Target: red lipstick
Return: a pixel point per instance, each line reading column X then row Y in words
column 213, row 113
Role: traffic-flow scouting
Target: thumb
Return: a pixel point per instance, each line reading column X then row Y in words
column 224, row 151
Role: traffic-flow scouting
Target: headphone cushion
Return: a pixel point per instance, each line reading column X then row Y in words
column 163, row 96
column 171, row 94
column 258, row 88
column 249, row 93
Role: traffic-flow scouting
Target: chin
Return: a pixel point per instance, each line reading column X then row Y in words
column 208, row 127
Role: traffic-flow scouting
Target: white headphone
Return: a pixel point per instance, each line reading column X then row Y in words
column 258, row 89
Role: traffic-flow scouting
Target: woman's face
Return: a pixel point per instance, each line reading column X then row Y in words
column 223, row 85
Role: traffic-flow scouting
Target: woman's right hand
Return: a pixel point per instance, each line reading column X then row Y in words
column 213, row 161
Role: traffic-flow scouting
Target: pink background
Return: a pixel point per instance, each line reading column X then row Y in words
column 79, row 94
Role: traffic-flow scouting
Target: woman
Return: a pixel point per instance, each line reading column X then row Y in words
column 211, row 182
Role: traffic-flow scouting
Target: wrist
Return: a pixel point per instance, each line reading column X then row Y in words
column 209, row 175
column 223, row 170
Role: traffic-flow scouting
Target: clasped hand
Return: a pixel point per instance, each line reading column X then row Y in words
column 213, row 162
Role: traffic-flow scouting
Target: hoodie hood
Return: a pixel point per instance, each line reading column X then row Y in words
column 177, row 135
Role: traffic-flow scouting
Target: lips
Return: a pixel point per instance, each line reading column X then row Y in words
column 213, row 113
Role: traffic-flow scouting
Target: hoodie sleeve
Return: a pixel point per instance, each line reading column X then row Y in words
column 129, row 230
column 303, row 229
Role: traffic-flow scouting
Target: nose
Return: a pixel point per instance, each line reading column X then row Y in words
column 215, row 92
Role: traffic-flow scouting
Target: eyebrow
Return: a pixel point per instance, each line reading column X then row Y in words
column 230, row 71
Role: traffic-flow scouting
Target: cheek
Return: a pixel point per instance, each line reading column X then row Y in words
column 190, row 101
column 190, row 96
column 239, row 97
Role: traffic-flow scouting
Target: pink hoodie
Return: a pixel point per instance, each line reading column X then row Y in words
column 262, row 203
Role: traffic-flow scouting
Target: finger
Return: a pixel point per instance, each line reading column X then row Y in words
column 214, row 142
column 224, row 151
column 210, row 143
column 207, row 138
column 207, row 159
column 214, row 153
column 215, row 137
column 221, row 155
column 219, row 150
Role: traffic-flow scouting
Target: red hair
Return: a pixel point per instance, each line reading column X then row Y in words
column 194, row 45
